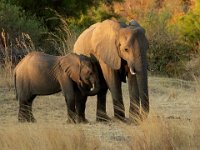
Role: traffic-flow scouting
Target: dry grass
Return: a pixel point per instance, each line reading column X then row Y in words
column 173, row 122
column 62, row 39
column 11, row 52
column 45, row 136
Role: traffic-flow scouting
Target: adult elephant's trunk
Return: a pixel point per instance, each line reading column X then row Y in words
column 138, row 91
column 142, row 83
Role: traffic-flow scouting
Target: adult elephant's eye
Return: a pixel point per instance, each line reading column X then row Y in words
column 91, row 73
column 126, row 49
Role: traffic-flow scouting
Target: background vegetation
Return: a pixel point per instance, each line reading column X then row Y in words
column 172, row 27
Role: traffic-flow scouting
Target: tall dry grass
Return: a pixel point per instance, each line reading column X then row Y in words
column 62, row 39
column 11, row 52
column 45, row 137
column 161, row 133
column 154, row 134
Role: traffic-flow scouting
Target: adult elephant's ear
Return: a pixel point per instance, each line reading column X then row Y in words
column 143, row 42
column 104, row 43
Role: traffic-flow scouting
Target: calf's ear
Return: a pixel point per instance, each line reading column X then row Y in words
column 71, row 65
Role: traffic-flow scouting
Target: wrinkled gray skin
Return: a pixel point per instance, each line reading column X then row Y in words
column 120, row 50
column 43, row 74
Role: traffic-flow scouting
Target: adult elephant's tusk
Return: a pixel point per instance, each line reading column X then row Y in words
column 93, row 87
column 132, row 72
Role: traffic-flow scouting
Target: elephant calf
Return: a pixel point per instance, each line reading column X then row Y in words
column 43, row 74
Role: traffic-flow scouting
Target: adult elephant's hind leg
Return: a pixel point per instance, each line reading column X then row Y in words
column 25, row 109
column 101, row 106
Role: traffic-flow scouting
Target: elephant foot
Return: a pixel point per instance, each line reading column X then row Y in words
column 82, row 120
column 22, row 119
column 103, row 118
column 135, row 122
column 85, row 121
column 26, row 118
column 121, row 119
column 120, row 116
column 71, row 120
column 143, row 116
column 32, row 119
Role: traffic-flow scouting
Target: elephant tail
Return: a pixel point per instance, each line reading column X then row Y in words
column 15, row 85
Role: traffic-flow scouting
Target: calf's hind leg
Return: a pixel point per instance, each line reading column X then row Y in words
column 25, row 109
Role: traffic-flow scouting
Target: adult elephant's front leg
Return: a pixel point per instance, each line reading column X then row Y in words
column 116, row 92
column 114, row 84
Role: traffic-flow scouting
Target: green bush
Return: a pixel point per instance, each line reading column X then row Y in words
column 14, row 22
column 93, row 15
column 72, row 10
column 57, row 16
column 189, row 24
column 192, row 68
column 167, row 52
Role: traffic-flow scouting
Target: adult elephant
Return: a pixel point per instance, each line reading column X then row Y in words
column 121, row 51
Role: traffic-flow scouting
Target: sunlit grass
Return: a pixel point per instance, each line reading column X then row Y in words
column 46, row 137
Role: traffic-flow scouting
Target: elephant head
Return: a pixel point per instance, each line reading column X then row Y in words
column 82, row 71
column 111, row 42
column 88, row 76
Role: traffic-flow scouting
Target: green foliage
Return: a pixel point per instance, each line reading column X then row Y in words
column 167, row 52
column 14, row 21
column 47, row 22
column 189, row 24
column 73, row 10
column 93, row 15
column 193, row 68
column 65, row 7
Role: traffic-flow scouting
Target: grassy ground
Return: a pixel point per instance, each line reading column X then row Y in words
column 173, row 122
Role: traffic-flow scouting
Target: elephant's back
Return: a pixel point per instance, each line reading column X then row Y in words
column 35, row 65
column 35, row 59
column 83, row 44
